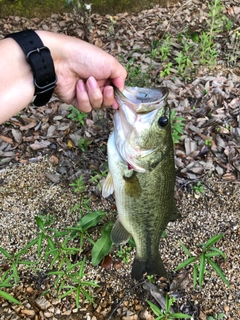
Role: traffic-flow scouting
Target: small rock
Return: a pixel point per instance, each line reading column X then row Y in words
column 130, row 317
column 55, row 178
column 145, row 315
column 42, row 303
column 29, row 289
column 67, row 313
column 226, row 308
column 28, row 312
column 48, row 314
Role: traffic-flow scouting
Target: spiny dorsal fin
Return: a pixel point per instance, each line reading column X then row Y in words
column 119, row 234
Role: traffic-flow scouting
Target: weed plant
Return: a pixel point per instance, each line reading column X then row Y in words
column 57, row 249
column 178, row 125
column 195, row 49
column 167, row 314
column 76, row 115
column 198, row 188
column 201, row 260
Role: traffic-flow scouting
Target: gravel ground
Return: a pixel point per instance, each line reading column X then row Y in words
column 40, row 156
column 26, row 192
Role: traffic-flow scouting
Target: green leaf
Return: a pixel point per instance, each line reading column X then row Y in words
column 5, row 253
column 180, row 316
column 50, row 243
column 91, row 219
column 211, row 254
column 201, row 269
column 220, row 252
column 218, row 271
column 15, row 272
column 185, row 263
column 211, row 241
column 185, row 249
column 87, row 295
column 40, row 223
column 67, row 293
column 9, row 297
column 82, row 268
column 78, row 291
column 26, row 262
column 168, row 303
column 56, row 256
column 75, row 265
column 31, row 243
column 103, row 245
column 155, row 309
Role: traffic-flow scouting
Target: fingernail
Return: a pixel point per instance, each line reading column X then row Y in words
column 81, row 86
column 92, row 83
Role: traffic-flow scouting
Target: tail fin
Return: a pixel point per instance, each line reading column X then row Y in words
column 151, row 267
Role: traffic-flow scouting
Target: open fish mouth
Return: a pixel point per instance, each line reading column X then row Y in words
column 141, row 100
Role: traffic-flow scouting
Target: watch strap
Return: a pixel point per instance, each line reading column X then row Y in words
column 40, row 60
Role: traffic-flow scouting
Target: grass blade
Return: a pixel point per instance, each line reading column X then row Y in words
column 40, row 223
column 185, row 249
column 180, row 316
column 9, row 297
column 220, row 252
column 201, row 269
column 218, row 271
column 212, row 241
column 5, row 253
column 185, row 263
column 154, row 308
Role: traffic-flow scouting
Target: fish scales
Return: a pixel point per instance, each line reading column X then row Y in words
column 143, row 182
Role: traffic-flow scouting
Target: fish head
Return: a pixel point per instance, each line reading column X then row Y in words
column 142, row 127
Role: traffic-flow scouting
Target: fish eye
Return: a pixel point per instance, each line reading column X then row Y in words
column 163, row 121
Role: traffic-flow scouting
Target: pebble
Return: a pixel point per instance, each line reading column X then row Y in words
column 226, row 308
column 28, row 312
column 48, row 314
column 29, row 289
column 42, row 303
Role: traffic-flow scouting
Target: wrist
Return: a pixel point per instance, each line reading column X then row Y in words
column 40, row 60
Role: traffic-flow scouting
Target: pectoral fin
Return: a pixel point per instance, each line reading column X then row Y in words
column 108, row 186
column 119, row 234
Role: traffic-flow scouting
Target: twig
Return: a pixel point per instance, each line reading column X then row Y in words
column 134, row 29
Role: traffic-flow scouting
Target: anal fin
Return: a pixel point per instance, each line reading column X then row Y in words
column 119, row 234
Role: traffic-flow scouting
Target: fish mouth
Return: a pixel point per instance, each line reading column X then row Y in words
column 141, row 100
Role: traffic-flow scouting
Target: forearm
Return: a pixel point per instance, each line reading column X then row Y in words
column 84, row 72
column 16, row 81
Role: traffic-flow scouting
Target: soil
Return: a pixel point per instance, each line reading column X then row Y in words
column 40, row 157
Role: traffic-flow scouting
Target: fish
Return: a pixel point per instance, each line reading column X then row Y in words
column 142, row 174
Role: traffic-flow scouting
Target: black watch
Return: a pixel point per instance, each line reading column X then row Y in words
column 40, row 60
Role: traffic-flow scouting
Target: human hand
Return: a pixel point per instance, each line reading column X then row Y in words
column 85, row 72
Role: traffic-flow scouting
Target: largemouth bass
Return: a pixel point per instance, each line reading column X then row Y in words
column 142, row 174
